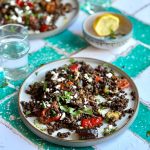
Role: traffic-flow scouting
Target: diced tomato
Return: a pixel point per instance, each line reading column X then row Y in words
column 123, row 83
column 91, row 122
column 20, row 3
column 62, row 86
column 74, row 67
column 30, row 4
column 86, row 123
column 98, row 78
column 44, row 28
column 96, row 121
column 70, row 83
column 44, row 119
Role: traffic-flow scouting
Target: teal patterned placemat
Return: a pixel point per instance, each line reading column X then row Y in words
column 134, row 63
column 68, row 42
column 137, row 60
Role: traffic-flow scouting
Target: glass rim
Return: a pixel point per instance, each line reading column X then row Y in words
column 13, row 24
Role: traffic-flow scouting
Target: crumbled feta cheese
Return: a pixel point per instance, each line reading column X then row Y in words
column 56, row 92
column 77, row 75
column 12, row 3
column 38, row 101
column 27, row 8
column 55, row 75
column 42, row 81
column 37, row 31
column 44, row 96
column 48, row 105
column 14, row 17
column 76, row 95
column 110, row 127
column 63, row 116
column 71, row 97
column 103, row 112
column 57, row 86
column 60, row 79
column 79, row 123
column 48, row 19
column 74, row 87
column 89, row 79
column 109, row 75
column 85, row 101
column 19, row 19
column 100, row 99
column 47, row 90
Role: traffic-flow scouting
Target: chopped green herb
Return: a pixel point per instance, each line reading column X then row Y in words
column 71, row 60
column 148, row 133
column 112, row 34
column 106, row 90
column 108, row 131
column 28, row 112
column 66, row 96
column 88, row 111
column 53, row 113
column 44, row 86
column 44, row 105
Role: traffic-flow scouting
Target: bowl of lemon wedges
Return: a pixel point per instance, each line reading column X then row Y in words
column 107, row 30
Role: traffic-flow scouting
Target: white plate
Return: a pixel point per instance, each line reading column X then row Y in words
column 62, row 23
column 73, row 140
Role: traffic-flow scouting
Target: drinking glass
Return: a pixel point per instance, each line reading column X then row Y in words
column 95, row 5
column 14, row 48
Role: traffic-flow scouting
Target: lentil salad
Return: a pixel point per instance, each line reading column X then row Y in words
column 79, row 98
column 37, row 15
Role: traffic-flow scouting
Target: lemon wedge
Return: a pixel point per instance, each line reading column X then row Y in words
column 105, row 24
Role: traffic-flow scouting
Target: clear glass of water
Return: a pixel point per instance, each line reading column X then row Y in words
column 95, row 5
column 14, row 48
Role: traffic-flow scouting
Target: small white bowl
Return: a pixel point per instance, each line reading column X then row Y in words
column 125, row 28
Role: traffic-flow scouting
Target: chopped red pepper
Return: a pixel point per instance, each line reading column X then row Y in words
column 44, row 119
column 74, row 67
column 44, row 28
column 91, row 122
column 20, row 3
column 98, row 78
column 123, row 83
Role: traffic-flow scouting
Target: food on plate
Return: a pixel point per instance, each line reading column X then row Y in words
column 37, row 15
column 106, row 24
column 83, row 100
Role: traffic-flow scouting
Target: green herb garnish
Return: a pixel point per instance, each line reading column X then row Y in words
column 28, row 112
column 72, row 60
column 112, row 34
column 44, row 86
column 108, row 131
column 53, row 113
column 44, row 105
column 87, row 110
column 66, row 96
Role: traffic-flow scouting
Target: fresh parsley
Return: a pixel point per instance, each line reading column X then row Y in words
column 71, row 60
column 27, row 112
column 44, row 86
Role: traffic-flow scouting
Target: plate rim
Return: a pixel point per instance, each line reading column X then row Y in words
column 80, row 143
column 56, row 31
